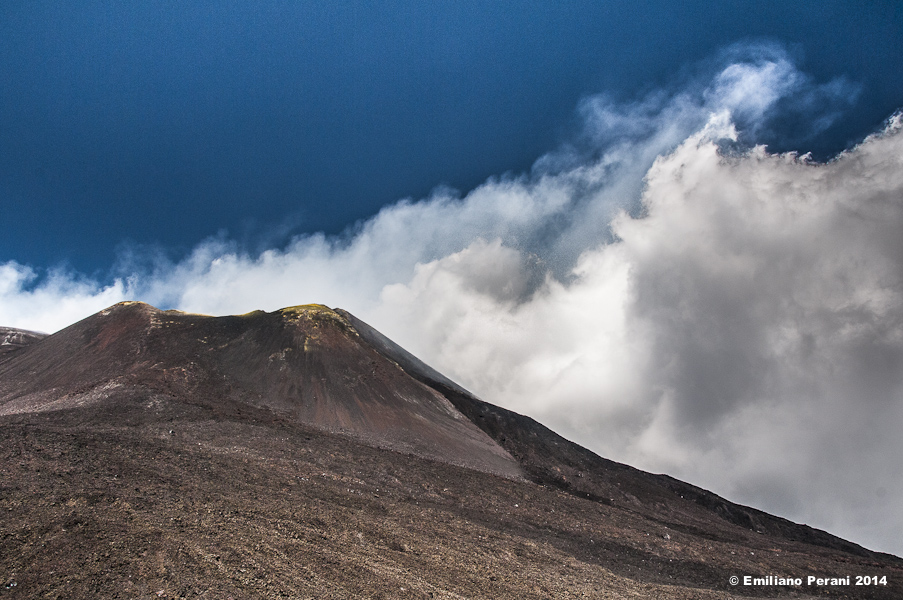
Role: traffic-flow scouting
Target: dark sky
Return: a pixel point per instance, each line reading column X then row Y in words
column 162, row 123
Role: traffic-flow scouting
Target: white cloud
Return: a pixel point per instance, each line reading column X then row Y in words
column 733, row 318
column 744, row 332
column 53, row 302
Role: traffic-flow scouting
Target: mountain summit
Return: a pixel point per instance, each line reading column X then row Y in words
column 304, row 364
column 301, row 453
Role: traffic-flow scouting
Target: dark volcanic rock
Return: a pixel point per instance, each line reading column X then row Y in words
column 305, row 364
column 302, row 454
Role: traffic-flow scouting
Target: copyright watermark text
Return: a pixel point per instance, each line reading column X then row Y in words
column 808, row 581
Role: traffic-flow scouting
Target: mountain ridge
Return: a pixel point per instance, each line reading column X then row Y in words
column 279, row 361
column 498, row 423
column 260, row 386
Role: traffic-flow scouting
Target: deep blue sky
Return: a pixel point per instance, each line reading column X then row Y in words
column 162, row 122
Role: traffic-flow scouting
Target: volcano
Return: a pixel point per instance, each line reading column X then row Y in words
column 303, row 454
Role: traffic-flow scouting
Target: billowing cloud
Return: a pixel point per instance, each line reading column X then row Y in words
column 660, row 291
column 52, row 302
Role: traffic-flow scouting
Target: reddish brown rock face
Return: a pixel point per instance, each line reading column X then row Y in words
column 306, row 364
column 300, row 453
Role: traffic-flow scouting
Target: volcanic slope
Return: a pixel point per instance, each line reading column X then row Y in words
column 302, row 454
column 305, row 364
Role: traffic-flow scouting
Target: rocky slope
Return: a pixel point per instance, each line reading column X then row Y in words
column 302, row 454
